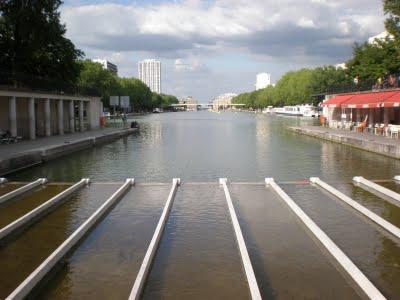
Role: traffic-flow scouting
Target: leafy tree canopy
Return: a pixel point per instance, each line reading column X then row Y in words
column 295, row 87
column 32, row 40
column 93, row 75
column 392, row 23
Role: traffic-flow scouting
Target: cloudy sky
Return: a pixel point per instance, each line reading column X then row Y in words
column 212, row 47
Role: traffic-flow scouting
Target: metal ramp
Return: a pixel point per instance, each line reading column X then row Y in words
column 209, row 233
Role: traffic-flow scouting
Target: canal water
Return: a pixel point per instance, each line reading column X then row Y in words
column 19, row 206
column 203, row 146
column 24, row 253
column 198, row 257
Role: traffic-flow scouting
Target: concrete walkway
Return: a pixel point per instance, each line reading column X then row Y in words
column 23, row 154
column 365, row 141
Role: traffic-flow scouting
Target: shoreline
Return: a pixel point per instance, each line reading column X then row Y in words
column 363, row 141
column 38, row 155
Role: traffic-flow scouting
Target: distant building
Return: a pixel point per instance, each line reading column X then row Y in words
column 107, row 65
column 150, row 73
column 188, row 100
column 263, row 80
column 223, row 101
column 380, row 37
column 372, row 40
column 341, row 66
column 189, row 103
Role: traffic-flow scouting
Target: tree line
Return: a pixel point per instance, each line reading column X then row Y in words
column 372, row 66
column 34, row 48
column 93, row 75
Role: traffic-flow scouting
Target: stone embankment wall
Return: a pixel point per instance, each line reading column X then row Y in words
column 37, row 156
column 388, row 148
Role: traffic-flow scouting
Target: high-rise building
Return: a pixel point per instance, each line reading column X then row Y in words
column 150, row 73
column 107, row 65
column 263, row 80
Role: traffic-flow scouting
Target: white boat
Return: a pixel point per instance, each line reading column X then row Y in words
column 309, row 110
column 288, row 110
column 157, row 110
column 305, row 110
column 268, row 110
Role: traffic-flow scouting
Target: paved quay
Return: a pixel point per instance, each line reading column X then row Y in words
column 365, row 141
column 27, row 153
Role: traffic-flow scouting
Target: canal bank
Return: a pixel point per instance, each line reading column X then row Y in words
column 14, row 157
column 364, row 141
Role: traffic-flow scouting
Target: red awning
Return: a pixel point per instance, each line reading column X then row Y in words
column 393, row 101
column 337, row 100
column 368, row 100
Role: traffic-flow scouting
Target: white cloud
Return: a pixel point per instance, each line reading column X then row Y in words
column 290, row 32
column 184, row 26
column 306, row 23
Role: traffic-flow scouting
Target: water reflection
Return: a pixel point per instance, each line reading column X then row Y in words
column 19, row 206
column 287, row 262
column 377, row 204
column 107, row 262
column 197, row 257
column 21, row 256
column 203, row 146
column 373, row 251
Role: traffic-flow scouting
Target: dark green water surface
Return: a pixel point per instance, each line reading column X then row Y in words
column 198, row 257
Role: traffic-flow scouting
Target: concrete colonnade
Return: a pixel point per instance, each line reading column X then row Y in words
column 13, row 115
column 47, row 114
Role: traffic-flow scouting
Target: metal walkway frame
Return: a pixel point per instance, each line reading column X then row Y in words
column 356, row 275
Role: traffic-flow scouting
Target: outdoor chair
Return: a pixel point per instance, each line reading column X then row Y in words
column 386, row 130
column 361, row 127
column 379, row 129
column 370, row 128
column 394, row 132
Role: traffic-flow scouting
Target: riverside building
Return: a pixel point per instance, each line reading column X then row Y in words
column 149, row 71
column 223, row 101
column 107, row 65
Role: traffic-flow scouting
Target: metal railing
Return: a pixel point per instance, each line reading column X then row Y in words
column 29, row 82
column 362, row 86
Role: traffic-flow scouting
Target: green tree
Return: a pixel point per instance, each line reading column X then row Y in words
column 327, row 78
column 138, row 92
column 32, row 40
column 391, row 8
column 294, row 87
column 93, row 76
column 373, row 61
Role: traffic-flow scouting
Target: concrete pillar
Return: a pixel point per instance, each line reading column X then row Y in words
column 358, row 115
column 32, row 119
column 88, row 115
column 60, row 117
column 371, row 116
column 71, row 116
column 13, row 116
column 47, row 117
column 81, row 127
column 386, row 115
